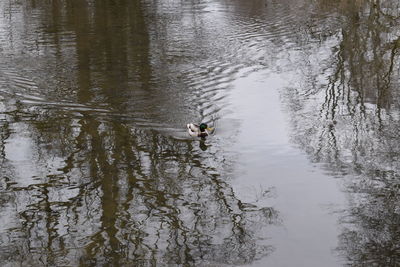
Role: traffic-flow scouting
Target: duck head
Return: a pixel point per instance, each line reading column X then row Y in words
column 203, row 127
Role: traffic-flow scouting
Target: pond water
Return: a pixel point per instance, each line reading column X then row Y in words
column 96, row 167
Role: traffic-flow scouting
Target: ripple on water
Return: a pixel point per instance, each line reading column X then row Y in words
column 104, row 158
column 245, row 41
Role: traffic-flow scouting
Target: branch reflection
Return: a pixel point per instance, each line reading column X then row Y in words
column 84, row 182
column 355, row 132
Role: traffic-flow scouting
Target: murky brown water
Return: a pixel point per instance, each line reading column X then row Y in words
column 96, row 166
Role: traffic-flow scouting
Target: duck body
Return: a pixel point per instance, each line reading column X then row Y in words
column 196, row 130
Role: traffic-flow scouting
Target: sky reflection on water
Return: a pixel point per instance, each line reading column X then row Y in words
column 96, row 168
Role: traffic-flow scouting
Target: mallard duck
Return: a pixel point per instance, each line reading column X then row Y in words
column 201, row 130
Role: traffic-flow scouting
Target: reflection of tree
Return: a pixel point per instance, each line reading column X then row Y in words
column 134, row 195
column 371, row 236
column 355, row 131
column 103, row 190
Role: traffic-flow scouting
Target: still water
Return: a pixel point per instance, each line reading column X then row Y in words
column 96, row 168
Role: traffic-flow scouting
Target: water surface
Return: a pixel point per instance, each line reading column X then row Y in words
column 96, row 166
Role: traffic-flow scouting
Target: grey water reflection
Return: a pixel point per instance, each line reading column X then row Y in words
column 354, row 131
column 119, row 195
column 94, row 166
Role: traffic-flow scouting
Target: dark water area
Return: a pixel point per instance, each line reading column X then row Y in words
column 96, row 167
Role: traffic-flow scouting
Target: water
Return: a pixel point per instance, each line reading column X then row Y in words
column 96, row 166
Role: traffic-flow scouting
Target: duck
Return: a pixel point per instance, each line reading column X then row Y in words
column 201, row 130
